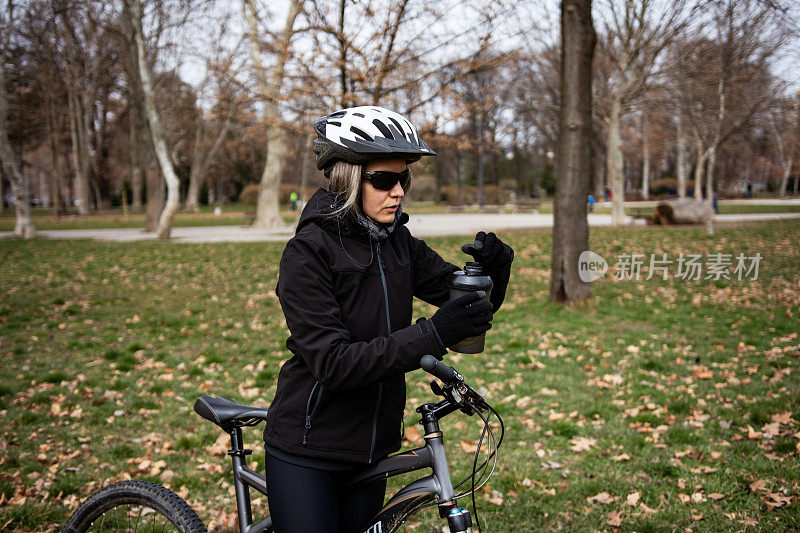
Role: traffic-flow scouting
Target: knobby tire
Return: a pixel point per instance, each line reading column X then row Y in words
column 148, row 505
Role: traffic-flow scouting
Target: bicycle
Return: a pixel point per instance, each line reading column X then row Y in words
column 156, row 508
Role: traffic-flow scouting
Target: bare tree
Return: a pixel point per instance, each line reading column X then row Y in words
column 134, row 9
column 574, row 158
column 23, row 226
column 267, row 212
column 785, row 126
column 636, row 33
column 724, row 78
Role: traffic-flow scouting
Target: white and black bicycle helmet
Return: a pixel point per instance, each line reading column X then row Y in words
column 358, row 135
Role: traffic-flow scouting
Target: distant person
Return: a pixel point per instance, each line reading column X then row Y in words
column 749, row 190
column 671, row 190
column 590, row 200
column 293, row 199
column 607, row 193
column 715, row 203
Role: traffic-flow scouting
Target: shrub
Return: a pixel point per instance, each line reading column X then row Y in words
column 249, row 194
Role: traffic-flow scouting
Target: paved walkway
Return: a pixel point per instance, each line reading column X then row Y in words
column 421, row 225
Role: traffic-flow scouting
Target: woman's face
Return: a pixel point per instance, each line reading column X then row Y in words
column 380, row 205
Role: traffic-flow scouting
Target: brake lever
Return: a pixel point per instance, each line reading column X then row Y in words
column 437, row 389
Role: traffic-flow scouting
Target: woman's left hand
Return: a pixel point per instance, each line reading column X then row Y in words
column 490, row 251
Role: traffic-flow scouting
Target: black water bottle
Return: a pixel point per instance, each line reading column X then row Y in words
column 472, row 278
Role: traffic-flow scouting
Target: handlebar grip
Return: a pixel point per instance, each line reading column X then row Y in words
column 446, row 373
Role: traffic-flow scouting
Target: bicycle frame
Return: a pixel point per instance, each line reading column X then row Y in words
column 435, row 486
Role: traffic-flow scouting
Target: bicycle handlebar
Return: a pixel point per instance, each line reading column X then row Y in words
column 446, row 373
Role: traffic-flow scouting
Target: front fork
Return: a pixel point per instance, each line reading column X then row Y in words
column 459, row 520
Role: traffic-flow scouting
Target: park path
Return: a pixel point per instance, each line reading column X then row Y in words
column 426, row 225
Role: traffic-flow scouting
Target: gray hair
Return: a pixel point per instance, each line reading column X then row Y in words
column 345, row 182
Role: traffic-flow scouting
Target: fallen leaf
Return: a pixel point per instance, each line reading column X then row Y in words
column 753, row 434
column 580, row 444
column 702, row 372
column 411, row 434
column 469, row 446
column 772, row 429
column 496, row 498
column 698, row 497
column 782, row 418
column 646, row 509
column 622, row 457
column 614, row 519
column 633, row 498
column 775, row 500
column 603, row 497
column 551, row 465
column 716, row 496
column 758, row 486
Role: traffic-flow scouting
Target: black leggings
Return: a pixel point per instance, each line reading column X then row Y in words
column 307, row 500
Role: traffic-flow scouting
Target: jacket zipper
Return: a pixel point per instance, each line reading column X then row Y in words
column 310, row 412
column 389, row 325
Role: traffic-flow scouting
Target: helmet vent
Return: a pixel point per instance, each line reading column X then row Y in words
column 360, row 133
column 359, row 115
column 399, row 128
column 382, row 127
column 338, row 114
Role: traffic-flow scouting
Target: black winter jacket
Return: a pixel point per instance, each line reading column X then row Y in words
column 347, row 302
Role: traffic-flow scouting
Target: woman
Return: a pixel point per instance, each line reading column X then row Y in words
column 346, row 284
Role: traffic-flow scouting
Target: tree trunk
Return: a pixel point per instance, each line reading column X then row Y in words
column 699, row 167
column 681, row 162
column 304, row 173
column 712, row 161
column 56, row 178
column 155, row 198
column 267, row 210
column 137, row 156
column 614, row 164
column 480, row 164
column 787, row 171
column 645, row 158
column 192, row 203
column 23, row 226
column 79, row 155
column 160, row 146
column 574, row 160
column 343, row 55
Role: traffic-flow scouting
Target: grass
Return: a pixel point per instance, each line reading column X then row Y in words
column 682, row 394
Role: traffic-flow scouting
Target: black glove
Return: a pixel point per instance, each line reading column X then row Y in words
column 459, row 319
column 496, row 257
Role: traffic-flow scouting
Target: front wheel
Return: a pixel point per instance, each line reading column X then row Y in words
column 134, row 506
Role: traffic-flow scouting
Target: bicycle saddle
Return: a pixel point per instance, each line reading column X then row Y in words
column 228, row 414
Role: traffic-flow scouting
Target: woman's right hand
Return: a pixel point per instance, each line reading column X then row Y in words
column 462, row 318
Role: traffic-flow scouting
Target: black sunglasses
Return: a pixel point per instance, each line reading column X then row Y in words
column 385, row 180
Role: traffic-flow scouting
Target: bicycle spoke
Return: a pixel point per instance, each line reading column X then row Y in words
column 138, row 518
